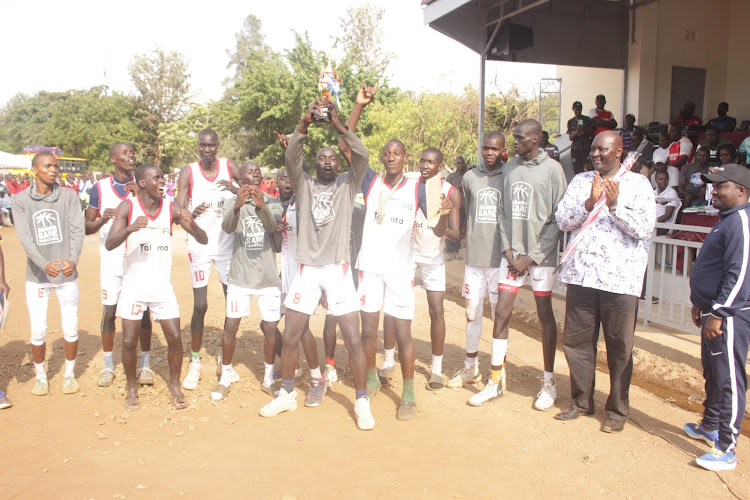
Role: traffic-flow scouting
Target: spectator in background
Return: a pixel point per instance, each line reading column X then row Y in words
column 692, row 187
column 638, row 139
column 455, row 179
column 602, row 118
column 687, row 117
column 681, row 148
column 667, row 200
column 551, row 150
column 580, row 133
column 727, row 154
column 745, row 152
column 84, row 187
column 713, row 142
column 661, row 154
column 626, row 131
column 672, row 173
column 723, row 122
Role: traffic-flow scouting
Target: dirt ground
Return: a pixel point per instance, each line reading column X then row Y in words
column 88, row 446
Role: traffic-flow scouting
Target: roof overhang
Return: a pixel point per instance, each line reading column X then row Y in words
column 565, row 32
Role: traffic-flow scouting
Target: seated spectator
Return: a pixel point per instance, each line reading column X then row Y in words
column 638, row 139
column 672, row 173
column 602, row 118
column 551, row 150
column 713, row 142
column 681, row 148
column 723, row 122
column 627, row 130
column 661, row 154
column 727, row 154
column 692, row 187
column 745, row 152
column 666, row 200
column 580, row 133
column 687, row 116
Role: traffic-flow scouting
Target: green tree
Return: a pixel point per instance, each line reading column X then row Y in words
column 162, row 82
column 84, row 123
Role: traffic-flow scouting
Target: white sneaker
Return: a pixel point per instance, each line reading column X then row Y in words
column 285, row 401
column 365, row 420
column 465, row 376
column 194, row 375
column 546, row 397
column 331, row 375
column 491, row 392
column 234, row 377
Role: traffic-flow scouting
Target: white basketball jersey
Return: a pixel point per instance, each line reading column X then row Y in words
column 387, row 234
column 289, row 265
column 205, row 190
column 428, row 248
column 108, row 198
column 148, row 255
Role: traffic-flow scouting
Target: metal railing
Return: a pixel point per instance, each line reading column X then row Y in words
column 671, row 286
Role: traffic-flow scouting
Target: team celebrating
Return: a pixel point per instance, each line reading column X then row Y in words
column 515, row 213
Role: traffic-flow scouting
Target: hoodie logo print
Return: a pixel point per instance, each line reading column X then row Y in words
column 47, row 227
column 487, row 209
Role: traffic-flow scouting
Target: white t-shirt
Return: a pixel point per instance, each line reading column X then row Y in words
column 205, row 190
column 289, row 264
column 669, row 195
column 428, row 248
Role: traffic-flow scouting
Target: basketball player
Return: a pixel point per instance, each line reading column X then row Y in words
column 203, row 186
column 144, row 224
column 106, row 196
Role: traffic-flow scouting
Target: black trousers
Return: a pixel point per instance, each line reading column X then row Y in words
column 585, row 310
column 723, row 360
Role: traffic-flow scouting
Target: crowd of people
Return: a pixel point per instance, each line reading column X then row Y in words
column 513, row 212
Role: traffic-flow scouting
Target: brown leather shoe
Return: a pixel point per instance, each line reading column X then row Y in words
column 613, row 425
column 572, row 413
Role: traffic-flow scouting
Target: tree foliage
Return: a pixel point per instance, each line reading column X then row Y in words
column 162, row 82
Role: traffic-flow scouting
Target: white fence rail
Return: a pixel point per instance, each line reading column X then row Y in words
column 667, row 298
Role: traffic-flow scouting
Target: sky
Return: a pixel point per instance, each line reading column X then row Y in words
column 77, row 44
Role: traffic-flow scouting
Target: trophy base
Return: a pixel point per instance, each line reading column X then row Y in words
column 322, row 115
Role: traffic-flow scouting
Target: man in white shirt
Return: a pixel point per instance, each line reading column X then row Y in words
column 667, row 199
column 604, row 273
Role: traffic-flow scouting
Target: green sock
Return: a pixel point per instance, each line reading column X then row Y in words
column 196, row 356
column 372, row 377
column 408, row 393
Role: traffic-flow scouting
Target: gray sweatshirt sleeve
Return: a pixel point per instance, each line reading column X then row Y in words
column 229, row 220
column 294, row 161
column 76, row 228
column 25, row 235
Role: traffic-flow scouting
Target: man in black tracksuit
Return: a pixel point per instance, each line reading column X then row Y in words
column 720, row 293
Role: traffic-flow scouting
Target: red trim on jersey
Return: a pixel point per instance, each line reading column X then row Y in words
column 542, row 294
column 301, row 267
column 112, row 184
column 502, row 287
column 216, row 175
column 161, row 205
column 398, row 186
column 98, row 188
column 190, row 191
column 130, row 211
column 345, row 267
column 171, row 218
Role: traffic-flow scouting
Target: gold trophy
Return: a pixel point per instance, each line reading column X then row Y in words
column 329, row 87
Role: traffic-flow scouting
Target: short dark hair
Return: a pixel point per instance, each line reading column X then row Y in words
column 436, row 151
column 37, row 157
column 116, row 145
column 140, row 172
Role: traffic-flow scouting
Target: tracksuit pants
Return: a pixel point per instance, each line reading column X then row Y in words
column 723, row 359
column 585, row 310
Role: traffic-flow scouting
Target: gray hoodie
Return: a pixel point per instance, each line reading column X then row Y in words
column 50, row 227
column 482, row 199
column 531, row 192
